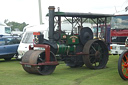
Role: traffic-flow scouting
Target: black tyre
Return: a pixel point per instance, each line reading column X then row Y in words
column 7, row 59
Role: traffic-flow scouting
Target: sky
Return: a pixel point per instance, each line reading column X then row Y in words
column 28, row 10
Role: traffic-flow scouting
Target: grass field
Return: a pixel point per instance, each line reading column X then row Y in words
column 12, row 73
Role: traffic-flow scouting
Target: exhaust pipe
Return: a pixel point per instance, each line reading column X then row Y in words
column 51, row 22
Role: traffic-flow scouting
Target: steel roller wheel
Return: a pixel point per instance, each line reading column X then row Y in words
column 97, row 54
column 123, row 65
column 35, row 57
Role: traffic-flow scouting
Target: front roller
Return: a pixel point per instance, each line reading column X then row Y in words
column 96, row 54
column 123, row 65
column 34, row 62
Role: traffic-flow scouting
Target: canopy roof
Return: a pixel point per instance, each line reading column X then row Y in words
column 83, row 15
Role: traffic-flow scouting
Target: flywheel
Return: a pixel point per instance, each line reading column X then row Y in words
column 86, row 34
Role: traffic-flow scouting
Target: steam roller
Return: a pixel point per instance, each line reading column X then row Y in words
column 75, row 48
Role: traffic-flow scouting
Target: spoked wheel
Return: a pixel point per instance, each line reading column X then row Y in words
column 123, row 65
column 35, row 57
column 96, row 54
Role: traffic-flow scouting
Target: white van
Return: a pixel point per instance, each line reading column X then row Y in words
column 27, row 38
column 4, row 29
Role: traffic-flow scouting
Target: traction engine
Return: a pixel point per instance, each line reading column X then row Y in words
column 75, row 49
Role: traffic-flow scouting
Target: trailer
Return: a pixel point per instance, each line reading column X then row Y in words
column 75, row 47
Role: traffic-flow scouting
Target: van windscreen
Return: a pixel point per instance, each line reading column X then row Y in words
column 8, row 30
column 28, row 38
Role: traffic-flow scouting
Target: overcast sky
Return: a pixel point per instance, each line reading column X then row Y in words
column 27, row 10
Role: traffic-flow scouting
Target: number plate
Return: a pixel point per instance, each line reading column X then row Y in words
column 26, row 65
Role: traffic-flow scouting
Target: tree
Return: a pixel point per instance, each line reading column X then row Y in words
column 15, row 25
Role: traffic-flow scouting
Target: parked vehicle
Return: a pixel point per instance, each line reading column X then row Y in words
column 27, row 38
column 16, row 33
column 121, row 25
column 9, row 46
column 119, row 33
column 4, row 29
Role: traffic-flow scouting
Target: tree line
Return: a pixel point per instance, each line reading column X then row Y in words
column 15, row 25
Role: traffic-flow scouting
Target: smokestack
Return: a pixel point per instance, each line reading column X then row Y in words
column 51, row 22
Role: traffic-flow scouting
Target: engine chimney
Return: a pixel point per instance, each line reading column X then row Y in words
column 51, row 22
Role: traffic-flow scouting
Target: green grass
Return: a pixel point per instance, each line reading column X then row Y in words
column 12, row 73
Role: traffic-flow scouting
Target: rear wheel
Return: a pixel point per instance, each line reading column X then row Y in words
column 123, row 65
column 97, row 54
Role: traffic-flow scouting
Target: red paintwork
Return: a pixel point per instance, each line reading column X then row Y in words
column 44, row 63
column 125, row 65
column 30, row 48
column 121, row 32
column 47, row 51
column 81, row 53
column 47, row 56
column 36, row 33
